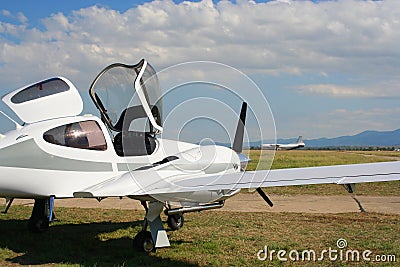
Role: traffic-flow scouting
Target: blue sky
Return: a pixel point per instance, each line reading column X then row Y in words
column 327, row 68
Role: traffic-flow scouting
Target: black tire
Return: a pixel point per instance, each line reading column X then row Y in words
column 143, row 242
column 175, row 222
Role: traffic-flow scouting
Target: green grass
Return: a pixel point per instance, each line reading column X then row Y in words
column 92, row 237
column 310, row 158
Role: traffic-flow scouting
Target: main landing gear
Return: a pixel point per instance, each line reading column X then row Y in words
column 42, row 214
column 175, row 221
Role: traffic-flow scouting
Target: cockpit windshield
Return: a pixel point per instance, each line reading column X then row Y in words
column 129, row 97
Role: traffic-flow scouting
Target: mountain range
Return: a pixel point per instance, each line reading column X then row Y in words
column 363, row 139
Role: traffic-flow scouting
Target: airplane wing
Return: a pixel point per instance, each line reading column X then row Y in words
column 138, row 183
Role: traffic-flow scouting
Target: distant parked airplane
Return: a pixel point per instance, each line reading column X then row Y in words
column 299, row 143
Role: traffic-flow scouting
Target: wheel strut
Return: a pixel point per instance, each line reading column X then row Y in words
column 143, row 241
column 39, row 220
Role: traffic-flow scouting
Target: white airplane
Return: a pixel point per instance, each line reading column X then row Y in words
column 299, row 143
column 58, row 154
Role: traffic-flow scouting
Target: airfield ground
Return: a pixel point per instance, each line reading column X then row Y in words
column 305, row 217
column 254, row 203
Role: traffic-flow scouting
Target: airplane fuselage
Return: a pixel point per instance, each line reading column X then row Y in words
column 34, row 164
column 281, row 146
column 298, row 144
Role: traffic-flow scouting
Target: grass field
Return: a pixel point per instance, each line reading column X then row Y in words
column 310, row 158
column 94, row 237
column 90, row 237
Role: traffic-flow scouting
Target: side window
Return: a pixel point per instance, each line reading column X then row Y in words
column 83, row 135
column 42, row 89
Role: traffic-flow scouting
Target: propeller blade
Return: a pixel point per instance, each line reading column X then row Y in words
column 9, row 201
column 265, row 197
column 238, row 141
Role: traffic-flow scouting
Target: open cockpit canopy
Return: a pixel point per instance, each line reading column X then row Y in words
column 129, row 97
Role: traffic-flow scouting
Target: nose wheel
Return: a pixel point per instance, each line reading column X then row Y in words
column 143, row 242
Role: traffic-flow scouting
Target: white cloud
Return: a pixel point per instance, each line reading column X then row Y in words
column 334, row 90
column 19, row 16
column 346, row 35
column 343, row 121
column 353, row 37
column 351, row 121
column 380, row 89
column 6, row 13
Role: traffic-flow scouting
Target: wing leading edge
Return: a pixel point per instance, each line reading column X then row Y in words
column 153, row 182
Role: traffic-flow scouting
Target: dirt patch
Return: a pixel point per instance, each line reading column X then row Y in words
column 254, row 203
column 314, row 204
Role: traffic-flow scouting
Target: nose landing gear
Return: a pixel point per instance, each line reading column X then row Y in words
column 143, row 241
column 148, row 241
